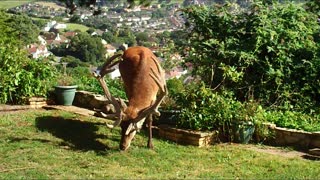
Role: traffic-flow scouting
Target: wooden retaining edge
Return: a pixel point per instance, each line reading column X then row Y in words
column 14, row 107
column 37, row 102
column 187, row 137
column 32, row 103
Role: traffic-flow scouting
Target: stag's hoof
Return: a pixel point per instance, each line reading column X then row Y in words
column 150, row 145
column 123, row 148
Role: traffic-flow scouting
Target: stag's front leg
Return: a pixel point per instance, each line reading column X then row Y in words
column 149, row 124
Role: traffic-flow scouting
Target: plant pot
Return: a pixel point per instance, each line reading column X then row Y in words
column 65, row 94
column 242, row 131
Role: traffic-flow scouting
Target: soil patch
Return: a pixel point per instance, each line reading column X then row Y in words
column 280, row 151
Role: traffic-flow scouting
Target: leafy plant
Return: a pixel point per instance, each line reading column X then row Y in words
column 174, row 86
column 65, row 77
column 268, row 52
column 66, row 80
column 203, row 109
column 22, row 77
column 293, row 120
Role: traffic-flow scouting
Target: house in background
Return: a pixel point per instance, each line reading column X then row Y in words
column 55, row 39
column 176, row 72
column 116, row 73
column 110, row 50
column 54, row 25
column 36, row 51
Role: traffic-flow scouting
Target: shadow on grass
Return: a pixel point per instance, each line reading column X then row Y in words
column 78, row 135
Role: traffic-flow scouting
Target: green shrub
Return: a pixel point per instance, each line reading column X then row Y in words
column 269, row 52
column 203, row 109
column 292, row 120
column 22, row 77
column 175, row 86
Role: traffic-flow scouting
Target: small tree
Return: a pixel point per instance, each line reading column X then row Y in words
column 269, row 52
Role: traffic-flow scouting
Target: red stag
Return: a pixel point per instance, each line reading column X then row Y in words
column 145, row 87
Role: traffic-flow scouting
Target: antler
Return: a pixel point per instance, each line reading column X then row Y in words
column 107, row 67
column 153, row 109
column 119, row 105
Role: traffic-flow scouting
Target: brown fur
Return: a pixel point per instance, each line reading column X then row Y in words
column 135, row 71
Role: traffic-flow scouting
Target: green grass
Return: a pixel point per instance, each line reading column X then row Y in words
column 73, row 26
column 7, row 4
column 52, row 144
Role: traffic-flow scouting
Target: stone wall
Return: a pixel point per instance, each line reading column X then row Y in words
column 296, row 138
column 93, row 101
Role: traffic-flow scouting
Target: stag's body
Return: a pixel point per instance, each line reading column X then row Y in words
column 143, row 78
column 140, row 88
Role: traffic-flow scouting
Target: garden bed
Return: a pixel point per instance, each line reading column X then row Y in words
column 282, row 136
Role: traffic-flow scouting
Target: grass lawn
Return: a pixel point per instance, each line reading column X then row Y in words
column 53, row 144
column 7, row 4
column 73, row 26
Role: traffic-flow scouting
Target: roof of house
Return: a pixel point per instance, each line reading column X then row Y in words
column 70, row 34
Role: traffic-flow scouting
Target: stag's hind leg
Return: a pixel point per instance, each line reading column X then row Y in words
column 149, row 124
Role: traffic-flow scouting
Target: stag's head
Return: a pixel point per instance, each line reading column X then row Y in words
column 131, row 121
column 128, row 131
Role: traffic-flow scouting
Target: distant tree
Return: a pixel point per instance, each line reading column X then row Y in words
column 90, row 30
column 142, row 37
column 163, row 37
column 179, row 37
column 107, row 26
column 72, row 61
column 75, row 19
column 40, row 22
column 109, row 37
column 25, row 30
column 125, row 32
column 130, row 40
column 87, row 48
column 159, row 13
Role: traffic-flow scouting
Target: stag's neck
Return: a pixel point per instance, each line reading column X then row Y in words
column 135, row 107
column 131, row 112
